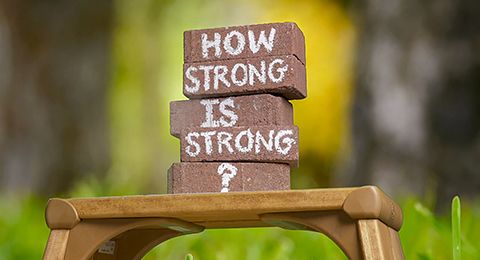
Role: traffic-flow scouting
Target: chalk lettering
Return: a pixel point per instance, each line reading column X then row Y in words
column 206, row 75
column 220, row 76
column 224, row 139
column 228, row 113
column 259, row 140
column 208, row 103
column 286, row 140
column 191, row 142
column 247, row 142
column 223, row 107
column 227, row 171
column 250, row 140
column 261, row 75
column 227, row 43
column 237, row 75
column 196, row 83
column 262, row 40
column 208, row 140
column 281, row 71
column 206, row 44
column 234, row 78
column 253, row 44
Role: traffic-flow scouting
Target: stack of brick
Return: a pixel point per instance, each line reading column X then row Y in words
column 236, row 131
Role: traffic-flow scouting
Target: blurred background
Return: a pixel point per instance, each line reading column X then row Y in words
column 393, row 100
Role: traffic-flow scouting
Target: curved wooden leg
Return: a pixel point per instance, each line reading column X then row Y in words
column 359, row 239
column 87, row 236
column 337, row 225
column 134, row 244
column 56, row 244
column 378, row 240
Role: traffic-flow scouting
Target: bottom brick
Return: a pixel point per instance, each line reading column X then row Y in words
column 199, row 177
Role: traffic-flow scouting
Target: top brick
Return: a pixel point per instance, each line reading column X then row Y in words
column 249, row 41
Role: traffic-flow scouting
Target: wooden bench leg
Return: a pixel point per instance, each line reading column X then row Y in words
column 368, row 239
column 56, row 244
column 135, row 236
column 135, row 244
column 337, row 225
column 379, row 241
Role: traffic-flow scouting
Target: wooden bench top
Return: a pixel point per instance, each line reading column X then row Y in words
column 222, row 210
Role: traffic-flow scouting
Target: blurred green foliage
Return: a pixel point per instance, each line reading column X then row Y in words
column 23, row 232
column 23, row 235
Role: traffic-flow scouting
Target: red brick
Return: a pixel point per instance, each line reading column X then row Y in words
column 281, row 75
column 288, row 40
column 257, row 110
column 240, row 144
column 205, row 177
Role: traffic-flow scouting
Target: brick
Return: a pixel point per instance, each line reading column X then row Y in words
column 207, row 177
column 257, row 110
column 281, row 75
column 287, row 39
column 275, row 144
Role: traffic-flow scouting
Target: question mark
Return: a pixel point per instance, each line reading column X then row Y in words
column 223, row 170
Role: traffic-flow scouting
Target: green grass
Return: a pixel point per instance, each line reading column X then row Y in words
column 456, row 229
column 424, row 235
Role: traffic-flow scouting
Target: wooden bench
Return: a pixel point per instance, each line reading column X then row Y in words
column 362, row 221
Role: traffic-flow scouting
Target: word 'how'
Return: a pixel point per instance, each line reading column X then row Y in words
column 235, row 36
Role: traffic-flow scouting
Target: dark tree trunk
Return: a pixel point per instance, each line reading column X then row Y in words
column 54, row 60
column 416, row 113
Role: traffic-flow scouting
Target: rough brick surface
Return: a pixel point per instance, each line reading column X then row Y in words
column 252, row 110
column 281, row 75
column 276, row 144
column 227, row 177
column 287, row 39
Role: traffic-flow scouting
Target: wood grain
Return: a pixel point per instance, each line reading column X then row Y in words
column 210, row 207
column 379, row 241
column 56, row 245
